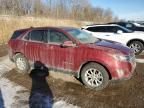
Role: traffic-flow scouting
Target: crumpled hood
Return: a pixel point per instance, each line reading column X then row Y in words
column 113, row 45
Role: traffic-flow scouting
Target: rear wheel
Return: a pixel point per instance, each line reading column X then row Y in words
column 22, row 63
column 95, row 76
column 137, row 46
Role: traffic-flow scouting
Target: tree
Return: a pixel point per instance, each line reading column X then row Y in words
column 65, row 9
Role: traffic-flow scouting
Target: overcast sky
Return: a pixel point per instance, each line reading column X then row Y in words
column 125, row 9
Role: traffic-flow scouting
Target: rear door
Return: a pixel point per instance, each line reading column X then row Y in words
column 34, row 41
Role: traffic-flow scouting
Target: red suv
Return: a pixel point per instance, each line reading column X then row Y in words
column 73, row 51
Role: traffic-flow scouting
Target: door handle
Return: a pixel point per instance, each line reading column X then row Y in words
column 26, row 43
column 51, row 47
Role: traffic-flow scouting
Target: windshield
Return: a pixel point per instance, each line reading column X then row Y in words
column 82, row 36
column 139, row 24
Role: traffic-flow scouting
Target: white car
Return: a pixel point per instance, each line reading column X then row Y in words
column 134, row 26
column 113, row 32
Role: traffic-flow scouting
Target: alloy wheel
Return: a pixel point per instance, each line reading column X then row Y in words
column 136, row 47
column 20, row 62
column 94, row 77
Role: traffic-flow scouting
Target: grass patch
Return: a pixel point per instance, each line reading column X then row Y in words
column 10, row 24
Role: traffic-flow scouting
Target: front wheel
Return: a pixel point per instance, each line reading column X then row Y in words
column 95, row 76
column 22, row 63
column 137, row 46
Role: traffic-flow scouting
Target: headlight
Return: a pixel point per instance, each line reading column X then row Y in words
column 121, row 57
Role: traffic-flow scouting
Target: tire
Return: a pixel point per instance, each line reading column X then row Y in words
column 22, row 63
column 88, row 72
column 137, row 46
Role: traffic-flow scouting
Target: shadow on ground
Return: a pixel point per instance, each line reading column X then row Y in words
column 41, row 95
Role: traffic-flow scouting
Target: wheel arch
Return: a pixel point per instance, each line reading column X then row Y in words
column 16, row 54
column 140, row 40
column 85, row 63
column 27, row 67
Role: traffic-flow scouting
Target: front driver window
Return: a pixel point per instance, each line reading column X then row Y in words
column 58, row 37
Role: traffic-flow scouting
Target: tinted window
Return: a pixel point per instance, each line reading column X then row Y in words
column 91, row 29
column 129, row 25
column 125, row 30
column 122, row 24
column 37, row 35
column 102, row 29
column 96, row 29
column 57, row 37
column 110, row 29
column 114, row 29
column 16, row 34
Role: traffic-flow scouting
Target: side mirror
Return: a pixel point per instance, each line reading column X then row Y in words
column 119, row 32
column 68, row 44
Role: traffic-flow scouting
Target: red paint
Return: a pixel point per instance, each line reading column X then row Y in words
column 72, row 58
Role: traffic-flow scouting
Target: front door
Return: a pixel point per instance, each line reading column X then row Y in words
column 60, row 57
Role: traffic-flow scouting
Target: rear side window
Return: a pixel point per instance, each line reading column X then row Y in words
column 16, row 34
column 122, row 24
column 92, row 29
column 96, row 29
column 110, row 29
column 37, row 35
